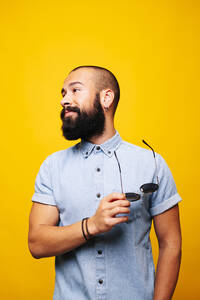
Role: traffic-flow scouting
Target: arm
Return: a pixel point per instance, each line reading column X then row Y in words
column 46, row 239
column 168, row 232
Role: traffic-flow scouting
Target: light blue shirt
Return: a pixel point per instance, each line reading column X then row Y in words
column 117, row 264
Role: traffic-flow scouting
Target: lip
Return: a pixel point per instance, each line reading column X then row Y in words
column 67, row 113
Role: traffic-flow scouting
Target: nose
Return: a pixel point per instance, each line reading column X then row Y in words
column 66, row 100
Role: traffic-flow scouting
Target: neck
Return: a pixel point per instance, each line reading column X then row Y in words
column 107, row 134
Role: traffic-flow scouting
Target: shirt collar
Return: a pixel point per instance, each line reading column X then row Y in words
column 107, row 147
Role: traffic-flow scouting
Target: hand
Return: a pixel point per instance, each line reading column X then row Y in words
column 104, row 218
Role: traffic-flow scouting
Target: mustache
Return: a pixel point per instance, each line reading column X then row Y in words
column 69, row 108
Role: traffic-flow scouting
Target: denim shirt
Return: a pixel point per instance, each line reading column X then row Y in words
column 117, row 264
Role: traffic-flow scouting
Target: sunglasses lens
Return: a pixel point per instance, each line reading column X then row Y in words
column 132, row 196
column 149, row 187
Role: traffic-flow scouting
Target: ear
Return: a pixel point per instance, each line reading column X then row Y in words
column 106, row 98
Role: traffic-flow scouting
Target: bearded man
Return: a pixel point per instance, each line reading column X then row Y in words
column 94, row 203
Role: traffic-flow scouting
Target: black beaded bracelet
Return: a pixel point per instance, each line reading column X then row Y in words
column 89, row 235
column 83, row 229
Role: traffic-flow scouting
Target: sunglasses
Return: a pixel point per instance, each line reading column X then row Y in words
column 145, row 188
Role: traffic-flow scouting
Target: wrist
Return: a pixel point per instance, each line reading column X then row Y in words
column 91, row 226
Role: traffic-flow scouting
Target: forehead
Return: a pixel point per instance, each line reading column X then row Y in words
column 86, row 76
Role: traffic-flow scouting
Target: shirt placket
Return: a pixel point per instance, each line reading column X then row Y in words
column 99, row 244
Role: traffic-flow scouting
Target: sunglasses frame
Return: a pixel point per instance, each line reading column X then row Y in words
column 134, row 196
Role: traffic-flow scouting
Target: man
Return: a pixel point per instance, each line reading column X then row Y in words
column 107, row 256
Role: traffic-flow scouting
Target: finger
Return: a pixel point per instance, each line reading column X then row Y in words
column 118, row 210
column 120, row 203
column 113, row 196
column 118, row 220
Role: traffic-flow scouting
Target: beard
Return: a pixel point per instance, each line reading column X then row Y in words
column 86, row 124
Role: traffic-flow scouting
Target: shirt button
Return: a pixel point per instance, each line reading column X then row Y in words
column 97, row 147
column 98, row 195
column 86, row 153
column 109, row 152
column 99, row 251
column 100, row 281
column 98, row 169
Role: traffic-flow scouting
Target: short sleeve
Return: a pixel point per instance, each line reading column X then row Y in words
column 43, row 185
column 166, row 196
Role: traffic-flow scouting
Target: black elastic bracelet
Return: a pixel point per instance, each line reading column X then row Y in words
column 89, row 235
column 83, row 229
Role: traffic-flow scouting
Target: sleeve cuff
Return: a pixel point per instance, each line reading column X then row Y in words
column 158, row 209
column 43, row 198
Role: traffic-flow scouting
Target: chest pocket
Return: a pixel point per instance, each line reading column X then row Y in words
column 140, row 208
column 136, row 208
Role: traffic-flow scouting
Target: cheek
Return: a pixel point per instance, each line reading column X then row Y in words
column 86, row 103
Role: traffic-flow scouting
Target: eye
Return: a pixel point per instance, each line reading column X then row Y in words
column 75, row 90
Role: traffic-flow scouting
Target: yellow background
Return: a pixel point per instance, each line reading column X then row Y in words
column 152, row 47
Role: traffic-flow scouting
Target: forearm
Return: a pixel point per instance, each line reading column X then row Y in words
column 167, row 272
column 50, row 240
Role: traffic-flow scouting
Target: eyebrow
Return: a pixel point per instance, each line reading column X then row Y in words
column 71, row 83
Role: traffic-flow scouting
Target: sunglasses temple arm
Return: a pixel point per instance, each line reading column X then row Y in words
column 154, row 159
column 119, row 172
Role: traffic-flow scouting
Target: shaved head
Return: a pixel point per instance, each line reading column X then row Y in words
column 104, row 79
